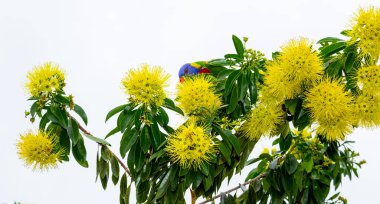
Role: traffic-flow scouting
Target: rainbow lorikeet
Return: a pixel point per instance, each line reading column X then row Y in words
column 192, row 69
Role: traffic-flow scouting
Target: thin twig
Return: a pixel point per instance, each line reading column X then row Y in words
column 234, row 189
column 88, row 133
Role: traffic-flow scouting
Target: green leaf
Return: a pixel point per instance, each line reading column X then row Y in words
column 225, row 73
column 97, row 139
column 233, row 100
column 231, row 81
column 60, row 115
column 73, row 130
column 226, row 152
column 64, row 142
column 129, row 138
column 252, row 88
column 131, row 160
column 164, row 184
column 44, row 121
column 308, row 165
column 142, row 191
column 169, row 104
column 329, row 39
column 115, row 167
column 238, row 46
column 62, row 100
column 164, row 116
column 115, row 111
column 233, row 56
column 79, row 110
column 333, row 48
column 156, row 138
column 123, row 185
column 291, row 164
column 112, row 132
column 228, row 136
column 204, row 169
column 33, row 109
column 139, row 157
column 252, row 197
column 79, row 152
column 145, row 139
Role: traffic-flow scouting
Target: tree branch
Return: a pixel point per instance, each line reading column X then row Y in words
column 113, row 154
column 236, row 188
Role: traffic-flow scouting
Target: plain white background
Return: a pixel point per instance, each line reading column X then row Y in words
column 96, row 42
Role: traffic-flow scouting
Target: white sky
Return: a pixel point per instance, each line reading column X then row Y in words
column 96, row 42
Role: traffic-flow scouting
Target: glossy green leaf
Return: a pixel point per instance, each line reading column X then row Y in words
column 238, row 46
column 145, row 139
column 129, row 138
column 73, row 130
column 226, row 152
column 114, row 111
column 112, row 132
column 60, row 115
column 169, row 104
column 164, row 184
column 233, row 100
column 333, row 48
column 228, row 136
column 80, row 153
column 79, row 110
column 231, row 80
column 97, row 139
column 291, row 164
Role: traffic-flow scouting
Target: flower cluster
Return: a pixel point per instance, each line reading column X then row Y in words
column 366, row 31
column 39, row 150
column 368, row 78
column 297, row 66
column 331, row 107
column 367, row 110
column 45, row 79
column 146, row 85
column 190, row 146
column 263, row 120
column 196, row 95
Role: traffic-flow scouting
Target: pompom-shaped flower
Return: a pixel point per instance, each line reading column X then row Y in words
column 367, row 110
column 190, row 146
column 146, row 85
column 366, row 30
column 297, row 65
column 45, row 79
column 330, row 106
column 262, row 121
column 39, row 150
column 196, row 95
column 369, row 79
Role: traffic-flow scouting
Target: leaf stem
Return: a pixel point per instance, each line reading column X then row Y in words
column 113, row 154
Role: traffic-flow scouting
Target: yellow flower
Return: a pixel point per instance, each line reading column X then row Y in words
column 334, row 130
column 146, row 85
column 196, row 95
column 190, row 146
column 305, row 133
column 45, row 79
column 330, row 107
column 297, row 65
column 265, row 151
column 366, row 30
column 367, row 110
column 39, row 150
column 262, row 121
column 369, row 79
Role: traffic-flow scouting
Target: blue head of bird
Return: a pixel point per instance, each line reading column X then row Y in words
column 188, row 69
